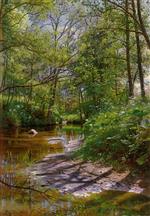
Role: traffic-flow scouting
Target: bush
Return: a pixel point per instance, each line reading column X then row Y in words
column 22, row 114
column 19, row 113
column 72, row 118
column 121, row 135
column 55, row 116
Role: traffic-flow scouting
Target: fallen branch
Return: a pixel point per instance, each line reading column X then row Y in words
column 43, row 193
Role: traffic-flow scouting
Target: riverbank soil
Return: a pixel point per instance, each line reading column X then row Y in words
column 81, row 178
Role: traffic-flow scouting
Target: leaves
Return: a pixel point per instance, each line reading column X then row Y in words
column 142, row 159
column 118, row 134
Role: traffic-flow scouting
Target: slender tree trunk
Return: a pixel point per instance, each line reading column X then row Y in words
column 2, row 59
column 143, row 29
column 52, row 99
column 130, row 83
column 54, row 90
column 1, row 56
column 80, row 105
column 139, row 54
column 93, row 95
column 116, row 87
column 105, row 4
column 31, row 76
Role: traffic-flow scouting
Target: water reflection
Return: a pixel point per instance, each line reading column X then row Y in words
column 19, row 150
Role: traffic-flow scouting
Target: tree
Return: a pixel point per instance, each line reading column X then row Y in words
column 130, row 82
column 135, row 22
column 139, row 54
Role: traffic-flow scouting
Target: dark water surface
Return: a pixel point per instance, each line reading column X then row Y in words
column 19, row 150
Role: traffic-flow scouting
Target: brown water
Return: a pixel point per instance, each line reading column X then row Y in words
column 18, row 150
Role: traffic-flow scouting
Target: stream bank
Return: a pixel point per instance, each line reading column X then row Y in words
column 82, row 178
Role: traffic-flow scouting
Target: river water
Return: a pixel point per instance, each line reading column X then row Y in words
column 19, row 150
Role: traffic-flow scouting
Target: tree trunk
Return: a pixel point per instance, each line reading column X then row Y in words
column 139, row 54
column 139, row 17
column 52, row 99
column 1, row 55
column 105, row 4
column 130, row 83
column 80, row 105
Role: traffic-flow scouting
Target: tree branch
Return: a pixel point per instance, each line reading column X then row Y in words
column 43, row 193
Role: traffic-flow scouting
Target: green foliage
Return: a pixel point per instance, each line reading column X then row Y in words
column 72, row 128
column 119, row 135
column 71, row 118
column 19, row 113
column 55, row 116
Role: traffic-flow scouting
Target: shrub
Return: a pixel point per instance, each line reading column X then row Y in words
column 72, row 118
column 121, row 135
column 22, row 114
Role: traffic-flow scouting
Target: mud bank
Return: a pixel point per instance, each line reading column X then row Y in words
column 81, row 178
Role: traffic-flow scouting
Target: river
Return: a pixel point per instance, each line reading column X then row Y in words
column 19, row 150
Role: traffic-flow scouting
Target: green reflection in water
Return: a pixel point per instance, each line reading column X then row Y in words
column 107, row 203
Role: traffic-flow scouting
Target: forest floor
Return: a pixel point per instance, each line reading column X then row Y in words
column 81, row 178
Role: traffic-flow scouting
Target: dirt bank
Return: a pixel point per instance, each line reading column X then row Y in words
column 81, row 178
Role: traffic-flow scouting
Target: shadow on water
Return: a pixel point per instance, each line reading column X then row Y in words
column 18, row 150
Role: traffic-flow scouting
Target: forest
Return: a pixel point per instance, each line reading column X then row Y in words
column 83, row 63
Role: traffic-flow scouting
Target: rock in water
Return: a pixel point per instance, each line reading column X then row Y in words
column 33, row 132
